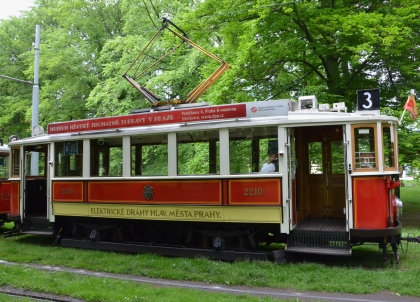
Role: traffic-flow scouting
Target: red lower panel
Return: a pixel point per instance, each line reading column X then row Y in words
column 370, row 203
column 255, row 192
column 161, row 192
column 67, row 191
column 4, row 197
column 14, row 197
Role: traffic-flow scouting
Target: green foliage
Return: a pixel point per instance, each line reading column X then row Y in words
column 115, row 161
column 155, row 160
column 240, row 151
column 276, row 49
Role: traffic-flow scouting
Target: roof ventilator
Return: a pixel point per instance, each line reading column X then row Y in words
column 308, row 102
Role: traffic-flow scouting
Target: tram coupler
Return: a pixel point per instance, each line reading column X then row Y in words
column 11, row 233
column 411, row 239
column 16, row 230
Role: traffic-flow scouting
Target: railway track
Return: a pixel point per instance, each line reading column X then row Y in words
column 280, row 294
column 35, row 296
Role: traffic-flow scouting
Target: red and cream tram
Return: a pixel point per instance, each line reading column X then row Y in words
column 185, row 179
column 4, row 183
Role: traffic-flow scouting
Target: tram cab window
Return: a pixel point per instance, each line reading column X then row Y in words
column 337, row 162
column 149, row 155
column 389, row 145
column 315, row 158
column 198, row 152
column 249, row 148
column 69, row 158
column 15, row 162
column 4, row 166
column 36, row 152
column 365, row 147
column 106, row 157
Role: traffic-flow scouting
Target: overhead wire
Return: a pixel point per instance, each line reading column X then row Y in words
column 219, row 13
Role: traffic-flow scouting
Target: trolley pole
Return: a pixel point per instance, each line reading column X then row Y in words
column 35, row 98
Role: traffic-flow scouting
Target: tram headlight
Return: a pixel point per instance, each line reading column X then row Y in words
column 399, row 205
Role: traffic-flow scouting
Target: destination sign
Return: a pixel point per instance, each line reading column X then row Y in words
column 197, row 114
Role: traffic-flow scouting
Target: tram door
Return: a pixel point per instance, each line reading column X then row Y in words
column 35, row 182
column 323, row 187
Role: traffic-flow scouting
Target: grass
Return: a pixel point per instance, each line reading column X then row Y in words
column 411, row 211
column 103, row 289
column 363, row 272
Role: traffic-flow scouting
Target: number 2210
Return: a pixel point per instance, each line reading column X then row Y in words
column 253, row 191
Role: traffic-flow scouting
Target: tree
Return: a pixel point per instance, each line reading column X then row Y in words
column 15, row 97
column 326, row 48
column 72, row 37
column 329, row 48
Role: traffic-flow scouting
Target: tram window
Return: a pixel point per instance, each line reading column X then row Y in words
column 198, row 152
column 248, row 148
column 15, row 162
column 337, row 160
column 241, row 157
column 4, row 166
column 69, row 158
column 388, row 135
column 41, row 164
column 365, row 147
column 315, row 158
column 149, row 155
column 106, row 157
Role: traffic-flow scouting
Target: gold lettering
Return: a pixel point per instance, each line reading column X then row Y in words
column 66, row 191
column 138, row 212
column 253, row 191
column 5, row 196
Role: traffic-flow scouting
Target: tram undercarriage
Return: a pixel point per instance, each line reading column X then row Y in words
column 215, row 241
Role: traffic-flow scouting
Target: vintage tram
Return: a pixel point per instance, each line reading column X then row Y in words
column 4, row 183
column 184, row 179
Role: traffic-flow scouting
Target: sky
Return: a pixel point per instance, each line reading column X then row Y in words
column 12, row 7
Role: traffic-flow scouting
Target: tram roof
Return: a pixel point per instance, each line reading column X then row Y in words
column 202, row 116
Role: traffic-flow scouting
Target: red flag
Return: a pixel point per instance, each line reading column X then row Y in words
column 412, row 107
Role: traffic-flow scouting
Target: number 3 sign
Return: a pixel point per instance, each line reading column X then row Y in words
column 368, row 99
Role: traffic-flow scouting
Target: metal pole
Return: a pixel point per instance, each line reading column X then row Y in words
column 35, row 98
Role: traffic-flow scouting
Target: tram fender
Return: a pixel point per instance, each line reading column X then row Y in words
column 371, row 233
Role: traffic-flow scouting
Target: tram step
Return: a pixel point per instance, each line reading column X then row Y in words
column 37, row 227
column 319, row 242
column 319, row 250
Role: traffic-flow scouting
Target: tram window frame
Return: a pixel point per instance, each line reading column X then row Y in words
column 365, row 158
column 4, row 165
column 68, row 158
column 205, row 146
column 156, row 145
column 337, row 161
column 393, row 149
column 15, row 162
column 315, row 158
column 248, row 148
column 42, row 151
column 102, row 161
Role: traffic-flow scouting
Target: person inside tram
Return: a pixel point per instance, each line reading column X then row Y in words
column 272, row 164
